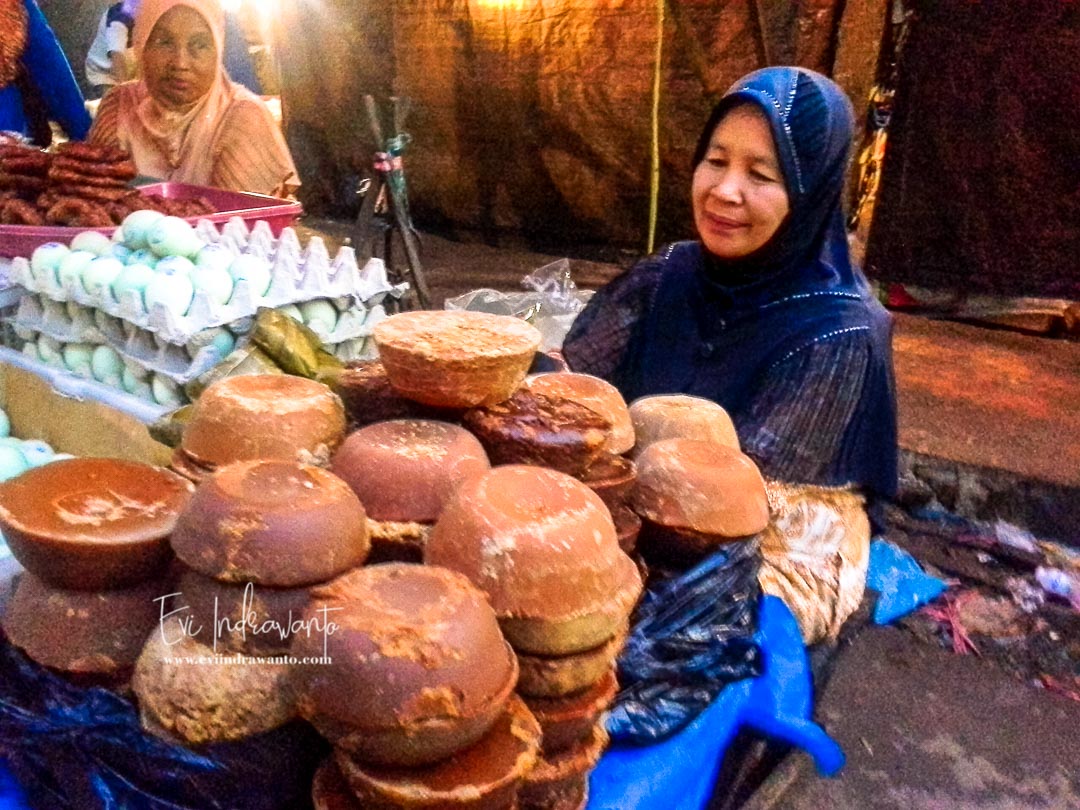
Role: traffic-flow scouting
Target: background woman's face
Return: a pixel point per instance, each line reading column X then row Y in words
column 180, row 59
column 738, row 191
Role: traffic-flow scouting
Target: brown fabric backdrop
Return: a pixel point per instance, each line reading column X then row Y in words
column 981, row 186
column 535, row 117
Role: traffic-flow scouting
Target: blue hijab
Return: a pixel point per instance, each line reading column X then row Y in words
column 716, row 326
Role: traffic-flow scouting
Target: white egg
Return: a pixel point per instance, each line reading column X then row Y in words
column 45, row 260
column 165, row 391
column 30, row 350
column 254, row 270
column 172, row 289
column 70, row 270
column 77, row 358
column 92, row 241
column 320, row 313
column 121, row 252
column 137, row 225
column 98, row 276
column 216, row 281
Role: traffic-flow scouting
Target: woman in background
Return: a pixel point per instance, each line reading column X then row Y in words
column 185, row 120
column 765, row 314
column 36, row 82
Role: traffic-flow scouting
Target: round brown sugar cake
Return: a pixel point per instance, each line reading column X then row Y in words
column 561, row 780
column 595, row 394
column 241, row 617
column 92, row 523
column 208, row 702
column 542, row 546
column 418, row 667
column 404, row 470
column 556, row 676
column 270, row 522
column 264, row 416
column 612, row 478
column 547, row 431
column 89, row 632
column 455, row 359
column 569, row 721
column 705, row 487
column 365, row 390
column 677, row 416
column 486, row 776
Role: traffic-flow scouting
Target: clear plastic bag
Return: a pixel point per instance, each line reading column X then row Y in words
column 551, row 303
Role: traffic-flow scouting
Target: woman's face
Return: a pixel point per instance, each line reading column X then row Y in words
column 738, row 191
column 180, row 58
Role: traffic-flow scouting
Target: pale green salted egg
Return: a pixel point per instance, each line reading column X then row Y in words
column 172, row 288
column 214, row 256
column 173, row 236
column 5, row 424
column 92, row 241
column 142, row 256
column 98, row 276
column 133, row 278
column 136, row 227
column 12, row 463
column 45, row 260
column 293, row 311
column 165, row 391
column 216, row 281
column 254, row 270
column 71, row 268
column 321, row 313
column 50, row 351
column 36, row 452
column 77, row 358
column 106, row 365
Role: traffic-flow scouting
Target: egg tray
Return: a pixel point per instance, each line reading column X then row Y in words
column 47, row 317
column 71, row 385
column 298, row 275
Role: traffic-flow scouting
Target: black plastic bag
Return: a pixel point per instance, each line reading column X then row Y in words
column 693, row 635
column 83, row 748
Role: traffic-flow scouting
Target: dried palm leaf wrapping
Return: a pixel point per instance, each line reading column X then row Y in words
column 815, row 552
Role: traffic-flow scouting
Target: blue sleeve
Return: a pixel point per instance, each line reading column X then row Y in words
column 51, row 74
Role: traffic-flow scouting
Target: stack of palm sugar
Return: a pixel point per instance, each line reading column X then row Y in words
column 415, row 691
column 253, row 542
column 543, row 547
column 93, row 535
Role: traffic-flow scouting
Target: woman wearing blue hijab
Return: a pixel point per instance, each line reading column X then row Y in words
column 765, row 314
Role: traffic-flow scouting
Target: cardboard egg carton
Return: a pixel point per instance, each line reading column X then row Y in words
column 142, row 349
column 67, row 324
column 298, row 274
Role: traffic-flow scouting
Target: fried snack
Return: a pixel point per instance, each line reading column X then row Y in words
column 31, row 163
column 91, row 192
column 76, row 211
column 123, row 170
column 22, row 183
column 19, row 212
column 68, row 178
column 91, row 153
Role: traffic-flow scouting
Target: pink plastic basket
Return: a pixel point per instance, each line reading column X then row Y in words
column 21, row 240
